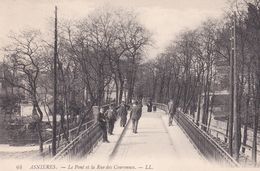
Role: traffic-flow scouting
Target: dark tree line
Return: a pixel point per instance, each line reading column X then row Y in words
column 196, row 65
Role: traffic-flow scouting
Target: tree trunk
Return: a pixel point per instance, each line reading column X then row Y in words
column 227, row 127
column 247, row 109
column 167, row 91
column 154, row 88
column 39, row 122
column 130, row 85
column 255, row 123
column 206, row 102
column 245, row 135
column 121, row 90
column 211, row 111
column 39, row 126
column 198, row 112
column 257, row 111
column 199, row 98
column 100, row 87
column 161, row 88
column 117, row 91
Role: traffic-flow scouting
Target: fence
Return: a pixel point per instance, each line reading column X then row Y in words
column 204, row 142
column 61, row 139
column 82, row 144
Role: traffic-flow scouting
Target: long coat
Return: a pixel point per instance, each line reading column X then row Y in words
column 136, row 112
column 122, row 111
column 111, row 114
column 170, row 107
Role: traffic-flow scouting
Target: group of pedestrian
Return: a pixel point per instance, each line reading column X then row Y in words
column 107, row 119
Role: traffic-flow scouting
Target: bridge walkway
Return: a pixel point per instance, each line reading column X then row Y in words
column 154, row 144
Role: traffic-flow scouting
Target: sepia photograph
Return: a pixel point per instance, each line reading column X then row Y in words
column 124, row 85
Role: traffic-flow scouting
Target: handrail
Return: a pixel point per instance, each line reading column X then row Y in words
column 214, row 128
column 65, row 151
column 71, row 130
column 211, row 128
column 83, row 143
column 47, row 144
column 204, row 142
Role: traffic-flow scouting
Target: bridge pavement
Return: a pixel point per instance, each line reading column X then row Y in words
column 154, row 145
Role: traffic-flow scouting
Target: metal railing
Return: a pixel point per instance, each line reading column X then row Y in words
column 82, row 144
column 204, row 142
column 61, row 139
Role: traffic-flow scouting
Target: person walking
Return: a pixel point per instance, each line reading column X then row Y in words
column 170, row 111
column 111, row 115
column 149, row 105
column 101, row 118
column 136, row 113
column 122, row 112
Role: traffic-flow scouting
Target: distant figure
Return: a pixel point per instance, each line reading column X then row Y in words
column 141, row 106
column 149, row 106
column 122, row 112
column 136, row 113
column 111, row 116
column 170, row 111
column 101, row 118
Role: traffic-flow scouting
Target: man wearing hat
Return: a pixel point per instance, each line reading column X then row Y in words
column 101, row 118
column 136, row 113
column 170, row 111
column 122, row 112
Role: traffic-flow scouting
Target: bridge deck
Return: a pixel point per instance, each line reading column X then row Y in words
column 154, row 143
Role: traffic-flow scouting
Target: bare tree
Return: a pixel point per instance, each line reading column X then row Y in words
column 24, row 58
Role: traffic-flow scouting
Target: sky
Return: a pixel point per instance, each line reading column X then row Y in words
column 164, row 18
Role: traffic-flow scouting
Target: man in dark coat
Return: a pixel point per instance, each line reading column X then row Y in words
column 101, row 118
column 136, row 113
column 149, row 105
column 111, row 115
column 122, row 112
column 170, row 111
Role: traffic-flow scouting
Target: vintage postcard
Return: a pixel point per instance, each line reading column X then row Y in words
column 118, row 85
